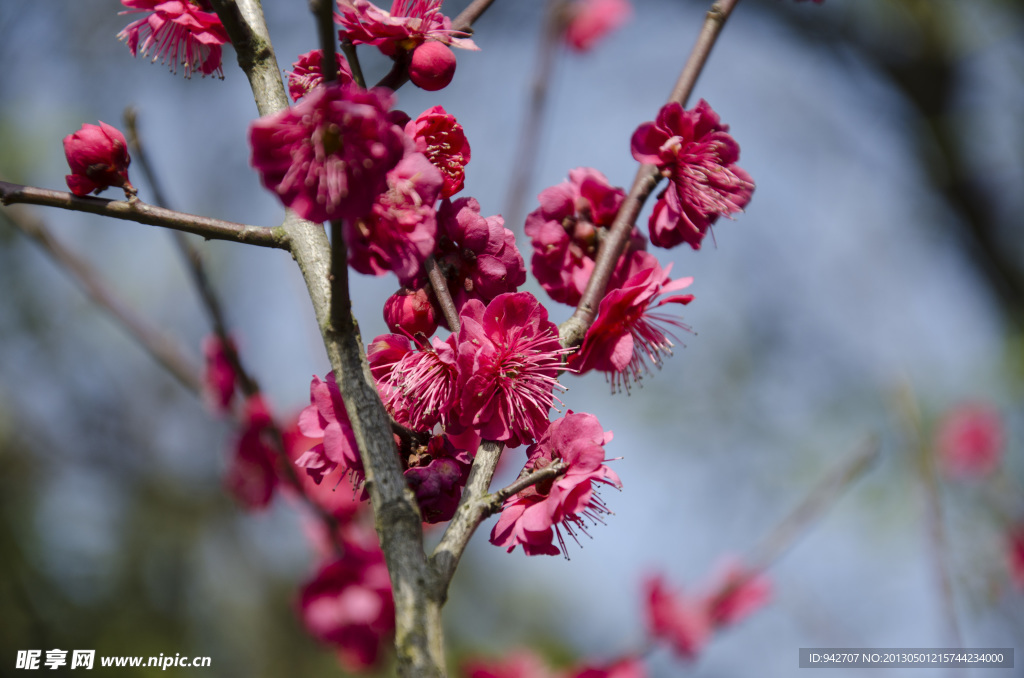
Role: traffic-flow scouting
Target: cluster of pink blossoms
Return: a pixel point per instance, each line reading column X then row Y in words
column 177, row 31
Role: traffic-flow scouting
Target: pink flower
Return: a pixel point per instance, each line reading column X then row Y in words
column 627, row 667
column 508, row 363
column 218, row 375
column 1015, row 555
column 519, row 664
column 98, row 158
column 566, row 232
column 682, row 622
column 252, row 472
column 340, row 503
column 591, row 20
column 694, row 150
column 400, row 231
column 327, row 157
column 970, row 440
column 411, row 312
column 409, row 24
column 177, row 31
column 736, row 594
column 532, row 517
column 326, row 421
column 477, row 255
column 418, row 387
column 628, row 330
column 307, row 73
column 437, row 473
column 348, row 605
column 440, row 137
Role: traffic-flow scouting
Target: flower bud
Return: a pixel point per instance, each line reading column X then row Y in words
column 432, row 66
column 410, row 311
column 98, row 158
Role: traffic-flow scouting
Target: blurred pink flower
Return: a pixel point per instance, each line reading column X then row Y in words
column 629, row 331
column 695, row 151
column 532, row 517
column 218, row 375
column 178, row 31
column 328, row 156
column 98, row 158
column 518, row 664
column 969, row 441
column 1015, row 555
column 592, row 20
column 736, row 594
column 307, row 73
column 682, row 622
column 566, row 231
column 508, row 363
column 440, row 137
column 627, row 667
column 252, row 470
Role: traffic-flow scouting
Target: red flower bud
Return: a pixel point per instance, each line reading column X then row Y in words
column 410, row 311
column 98, row 157
column 432, row 66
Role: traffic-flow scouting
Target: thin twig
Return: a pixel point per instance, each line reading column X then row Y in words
column 467, row 17
column 572, row 331
column 498, row 498
column 353, row 62
column 444, row 297
column 138, row 211
column 525, row 163
column 161, row 347
column 323, row 11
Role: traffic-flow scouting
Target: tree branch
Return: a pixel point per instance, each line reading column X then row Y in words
column 138, row 211
column 572, row 331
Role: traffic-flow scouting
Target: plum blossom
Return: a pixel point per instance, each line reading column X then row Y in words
column 341, row 503
column 436, row 473
column 629, row 329
column 695, row 151
column 477, row 255
column 348, row 604
column 535, row 516
column 1015, row 555
column 440, row 137
column 518, row 664
column 566, row 232
column 736, row 594
column 326, row 421
column 328, row 156
column 176, row 31
column 969, row 441
column 592, row 20
column 680, row 621
column 409, row 24
column 411, row 312
column 307, row 73
column 252, row 471
column 218, row 375
column 418, row 387
column 508, row 362
column 627, row 667
column 400, row 231
column 98, row 158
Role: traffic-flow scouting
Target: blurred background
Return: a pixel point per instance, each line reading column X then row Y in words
column 875, row 282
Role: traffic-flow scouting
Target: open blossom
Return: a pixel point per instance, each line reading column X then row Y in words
column 592, row 20
column 418, row 386
column 970, row 440
column 176, row 31
column 348, row 605
column 680, row 621
column 326, row 421
column 565, row 233
column 307, row 73
column 342, row 505
column 400, row 231
column 630, row 330
column 508, row 363
column 440, row 137
column 252, row 470
column 534, row 517
column 328, row 156
column 477, row 255
column 409, row 24
column 98, row 158
column 695, row 151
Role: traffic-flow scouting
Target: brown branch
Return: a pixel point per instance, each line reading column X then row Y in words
column 530, row 479
column 467, row 17
column 444, row 297
column 323, row 12
column 138, row 211
column 160, row 347
column 572, row 331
